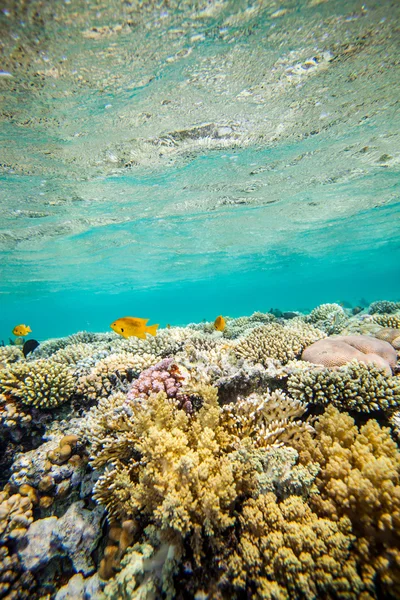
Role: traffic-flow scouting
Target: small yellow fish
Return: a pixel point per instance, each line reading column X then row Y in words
column 21, row 330
column 219, row 323
column 133, row 326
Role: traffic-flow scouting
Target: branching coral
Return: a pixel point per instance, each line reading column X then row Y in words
column 385, row 320
column 287, row 551
column 112, row 371
column 72, row 353
column 360, row 479
column 9, row 354
column 41, row 383
column 268, row 419
column 180, row 472
column 277, row 342
column 355, row 386
column 331, row 318
column 383, row 306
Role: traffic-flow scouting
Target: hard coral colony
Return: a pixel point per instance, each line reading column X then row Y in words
column 255, row 460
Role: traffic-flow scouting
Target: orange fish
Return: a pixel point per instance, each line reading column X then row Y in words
column 21, row 330
column 219, row 323
column 133, row 327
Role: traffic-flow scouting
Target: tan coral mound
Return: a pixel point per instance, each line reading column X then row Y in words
column 40, row 383
column 355, row 386
column 277, row 342
column 338, row 350
column 391, row 335
column 360, row 479
column 15, row 515
column 287, row 551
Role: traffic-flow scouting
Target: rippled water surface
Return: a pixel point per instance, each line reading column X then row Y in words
column 181, row 160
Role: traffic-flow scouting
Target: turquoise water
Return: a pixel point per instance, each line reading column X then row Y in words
column 182, row 163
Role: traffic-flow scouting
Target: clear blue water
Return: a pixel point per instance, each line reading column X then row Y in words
column 208, row 159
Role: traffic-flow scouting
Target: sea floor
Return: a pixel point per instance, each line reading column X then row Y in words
column 260, row 460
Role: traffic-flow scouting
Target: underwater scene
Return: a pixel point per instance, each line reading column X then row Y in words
column 199, row 300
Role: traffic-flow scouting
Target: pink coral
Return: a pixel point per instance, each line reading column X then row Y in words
column 166, row 376
column 338, row 350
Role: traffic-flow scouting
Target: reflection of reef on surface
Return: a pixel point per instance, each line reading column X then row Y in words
column 202, row 463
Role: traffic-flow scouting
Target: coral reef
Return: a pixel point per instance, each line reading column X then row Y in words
column 9, row 355
column 276, row 341
column 42, row 383
column 385, row 320
column 15, row 516
column 331, row 318
column 339, row 350
column 355, row 386
column 114, row 371
column 390, row 335
column 285, row 550
column 360, row 480
column 383, row 306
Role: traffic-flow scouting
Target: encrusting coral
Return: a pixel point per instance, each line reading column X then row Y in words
column 355, row 386
column 276, row 341
column 41, row 383
column 359, row 479
column 339, row 350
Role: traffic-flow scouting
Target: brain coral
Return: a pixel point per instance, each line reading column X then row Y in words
column 338, row 350
column 360, row 479
column 287, row 551
column 355, row 386
column 331, row 318
column 390, row 335
column 277, row 342
column 40, row 383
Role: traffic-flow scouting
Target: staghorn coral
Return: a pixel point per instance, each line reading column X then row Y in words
column 383, row 306
column 331, row 318
column 267, row 419
column 15, row 516
column 113, row 371
column 385, row 320
column 41, row 383
column 284, row 550
column 360, row 480
column 354, row 387
column 339, row 350
column 278, row 342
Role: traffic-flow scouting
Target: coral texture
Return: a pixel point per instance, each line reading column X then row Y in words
column 360, row 479
column 286, row 551
column 277, row 342
column 383, row 306
column 331, row 318
column 41, row 383
column 392, row 320
column 355, row 386
column 338, row 350
column 15, row 516
column 390, row 335
column 9, row 355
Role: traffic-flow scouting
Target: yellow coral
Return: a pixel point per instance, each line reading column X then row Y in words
column 388, row 320
column 15, row 515
column 286, row 551
column 360, row 479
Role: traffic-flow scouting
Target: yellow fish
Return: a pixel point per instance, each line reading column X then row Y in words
column 21, row 330
column 132, row 326
column 219, row 323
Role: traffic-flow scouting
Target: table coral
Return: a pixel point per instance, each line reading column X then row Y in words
column 276, row 341
column 338, row 350
column 41, row 383
column 360, row 479
column 286, row 551
column 355, row 386
column 331, row 318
